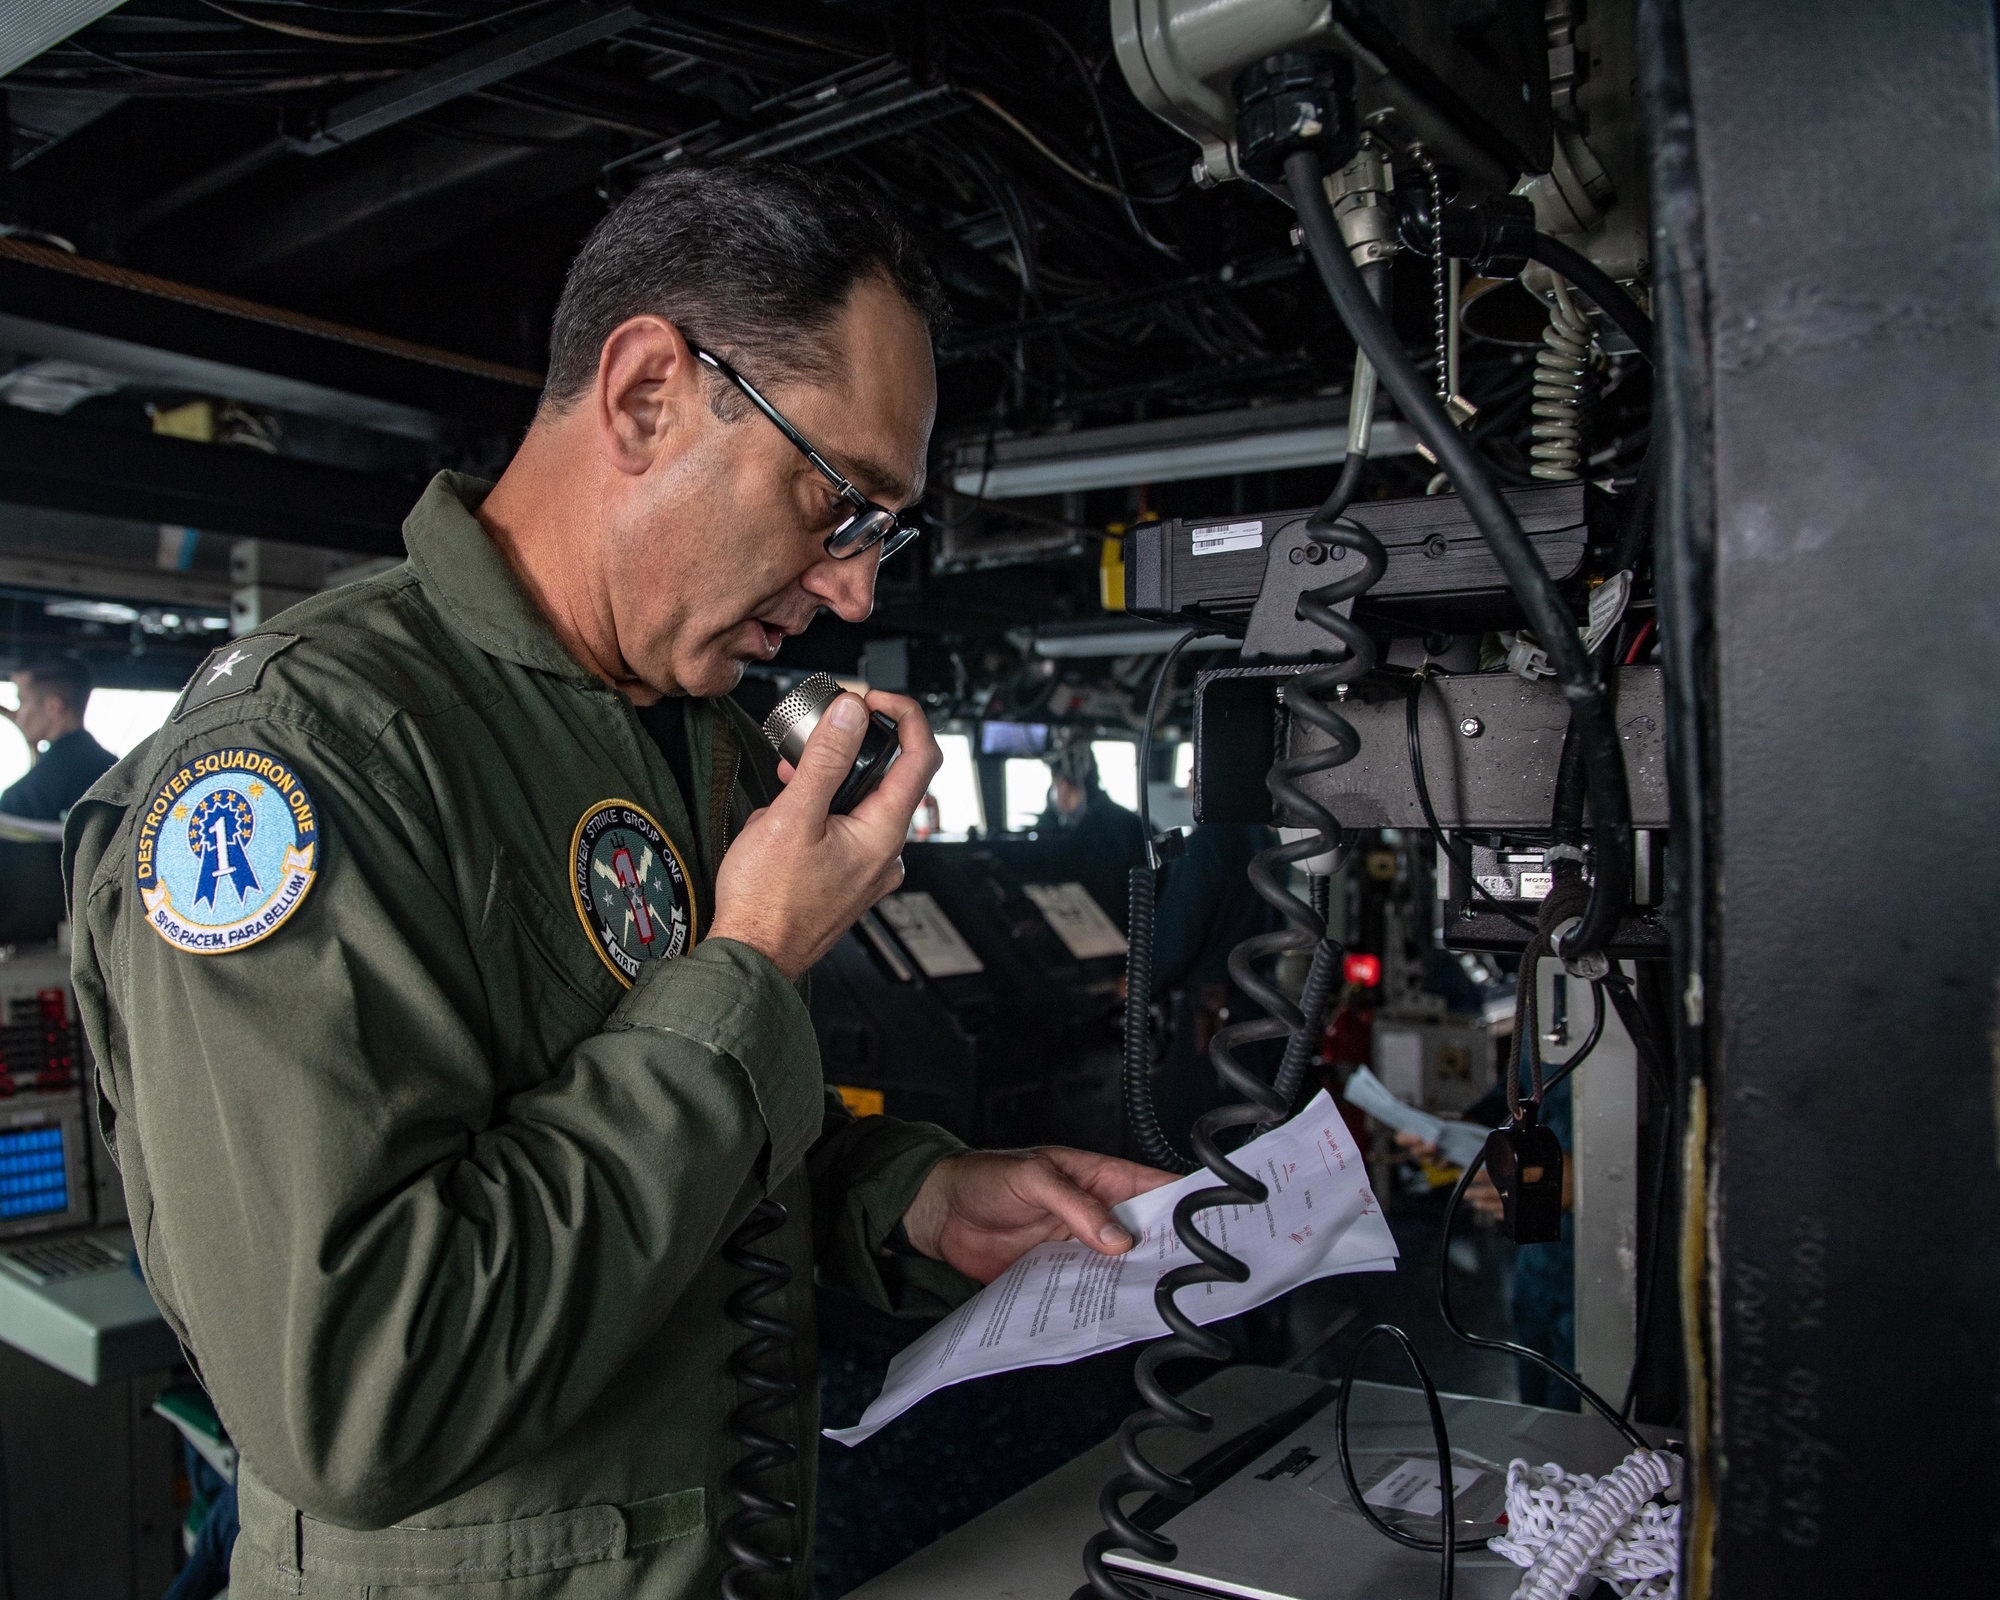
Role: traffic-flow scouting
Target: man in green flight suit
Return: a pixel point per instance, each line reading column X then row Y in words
column 440, row 956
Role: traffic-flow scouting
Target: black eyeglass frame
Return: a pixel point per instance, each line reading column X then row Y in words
column 871, row 524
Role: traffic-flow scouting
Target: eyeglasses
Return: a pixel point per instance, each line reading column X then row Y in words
column 870, row 525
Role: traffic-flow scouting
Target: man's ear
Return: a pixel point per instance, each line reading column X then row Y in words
column 646, row 380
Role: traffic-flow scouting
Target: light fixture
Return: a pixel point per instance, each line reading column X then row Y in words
column 109, row 612
column 1307, row 433
column 1124, row 642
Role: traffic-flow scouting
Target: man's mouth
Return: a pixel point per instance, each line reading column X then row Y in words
column 769, row 637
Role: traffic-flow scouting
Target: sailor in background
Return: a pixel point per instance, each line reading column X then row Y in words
column 1098, row 840
column 52, row 695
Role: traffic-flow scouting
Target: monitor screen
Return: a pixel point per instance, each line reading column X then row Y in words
column 1013, row 738
column 34, row 1178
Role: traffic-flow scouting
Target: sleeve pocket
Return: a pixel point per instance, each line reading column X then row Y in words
column 546, row 989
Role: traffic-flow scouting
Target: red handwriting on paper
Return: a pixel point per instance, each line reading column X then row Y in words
column 1327, row 1145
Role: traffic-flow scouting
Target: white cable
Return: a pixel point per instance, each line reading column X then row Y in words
column 1566, row 1530
column 1560, row 366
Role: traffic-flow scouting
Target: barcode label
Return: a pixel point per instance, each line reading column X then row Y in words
column 1230, row 536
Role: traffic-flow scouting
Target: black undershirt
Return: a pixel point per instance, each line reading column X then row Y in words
column 665, row 720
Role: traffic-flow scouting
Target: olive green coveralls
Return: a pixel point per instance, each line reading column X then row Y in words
column 432, row 1198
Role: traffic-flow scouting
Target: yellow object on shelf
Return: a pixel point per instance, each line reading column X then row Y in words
column 195, row 420
column 1111, row 571
column 862, row 1102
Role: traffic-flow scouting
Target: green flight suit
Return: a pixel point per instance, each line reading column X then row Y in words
column 434, row 1201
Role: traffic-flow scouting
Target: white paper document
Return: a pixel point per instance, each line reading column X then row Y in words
column 1460, row 1142
column 1079, row 921
column 1063, row 1301
column 927, row 933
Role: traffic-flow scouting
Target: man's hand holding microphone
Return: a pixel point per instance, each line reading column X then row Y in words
column 797, row 876
column 795, row 880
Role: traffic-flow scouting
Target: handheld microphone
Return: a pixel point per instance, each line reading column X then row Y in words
column 791, row 724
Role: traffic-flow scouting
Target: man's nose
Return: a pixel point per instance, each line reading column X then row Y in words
column 846, row 586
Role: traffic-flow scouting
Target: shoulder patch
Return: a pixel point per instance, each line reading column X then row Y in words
column 630, row 887
column 232, row 669
column 227, row 849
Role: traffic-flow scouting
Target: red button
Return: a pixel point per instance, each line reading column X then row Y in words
column 1363, row 971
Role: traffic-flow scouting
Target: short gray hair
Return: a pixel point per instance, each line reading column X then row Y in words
column 753, row 262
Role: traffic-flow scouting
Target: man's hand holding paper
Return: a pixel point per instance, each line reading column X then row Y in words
column 1063, row 1300
column 983, row 1210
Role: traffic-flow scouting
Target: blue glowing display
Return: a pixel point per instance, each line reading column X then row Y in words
column 34, row 1179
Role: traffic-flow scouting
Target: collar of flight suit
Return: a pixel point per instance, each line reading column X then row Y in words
column 469, row 579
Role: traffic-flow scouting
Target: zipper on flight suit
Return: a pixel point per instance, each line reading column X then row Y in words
column 727, row 790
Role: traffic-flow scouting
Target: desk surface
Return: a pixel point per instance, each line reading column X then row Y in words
column 96, row 1326
column 1030, row 1547
column 1259, row 1532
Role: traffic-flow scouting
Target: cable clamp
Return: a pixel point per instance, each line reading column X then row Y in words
column 1563, row 852
column 1591, row 967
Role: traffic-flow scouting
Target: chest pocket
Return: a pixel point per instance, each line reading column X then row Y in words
column 546, row 989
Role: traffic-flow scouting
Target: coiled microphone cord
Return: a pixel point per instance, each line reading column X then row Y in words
column 1141, row 1116
column 1561, row 367
column 763, row 1452
column 1262, row 1103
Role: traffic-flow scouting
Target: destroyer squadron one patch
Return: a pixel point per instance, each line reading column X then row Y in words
column 227, row 851
column 630, row 887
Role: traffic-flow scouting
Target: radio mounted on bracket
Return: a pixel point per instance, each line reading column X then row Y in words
column 1489, row 742
column 1245, row 574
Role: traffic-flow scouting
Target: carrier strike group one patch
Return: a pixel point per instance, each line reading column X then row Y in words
column 630, row 887
column 227, row 850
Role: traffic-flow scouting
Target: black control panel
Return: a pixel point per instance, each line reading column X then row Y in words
column 962, row 999
column 1441, row 576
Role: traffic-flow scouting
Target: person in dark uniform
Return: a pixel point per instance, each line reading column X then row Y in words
column 53, row 694
column 1098, row 840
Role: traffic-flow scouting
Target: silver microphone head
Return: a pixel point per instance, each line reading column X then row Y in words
column 793, row 718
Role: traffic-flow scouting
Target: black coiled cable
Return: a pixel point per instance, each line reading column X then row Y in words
column 1261, row 1103
column 1321, row 977
column 1601, row 758
column 763, row 1452
column 1140, row 1114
